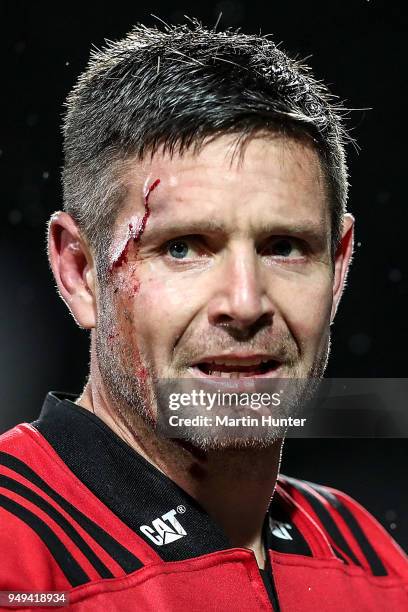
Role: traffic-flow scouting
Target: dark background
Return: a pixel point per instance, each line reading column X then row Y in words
column 359, row 48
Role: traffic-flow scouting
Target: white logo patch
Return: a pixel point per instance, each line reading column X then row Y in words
column 280, row 530
column 166, row 529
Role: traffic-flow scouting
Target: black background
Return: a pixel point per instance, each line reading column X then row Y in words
column 359, row 49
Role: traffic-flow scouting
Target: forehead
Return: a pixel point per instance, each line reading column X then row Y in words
column 270, row 180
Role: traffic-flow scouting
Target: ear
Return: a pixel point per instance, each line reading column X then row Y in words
column 73, row 268
column 342, row 261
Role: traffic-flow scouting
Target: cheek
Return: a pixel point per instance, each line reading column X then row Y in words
column 124, row 340
column 306, row 307
column 162, row 310
column 164, row 304
column 163, row 295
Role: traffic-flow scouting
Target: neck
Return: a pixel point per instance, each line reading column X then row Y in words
column 234, row 486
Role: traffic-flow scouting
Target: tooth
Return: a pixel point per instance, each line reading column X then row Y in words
column 243, row 362
column 225, row 374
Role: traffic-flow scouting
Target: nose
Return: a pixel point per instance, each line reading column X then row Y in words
column 240, row 300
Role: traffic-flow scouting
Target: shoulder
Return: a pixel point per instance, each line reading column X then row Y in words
column 353, row 532
column 54, row 533
column 27, row 537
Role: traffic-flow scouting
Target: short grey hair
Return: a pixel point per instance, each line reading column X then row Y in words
column 174, row 88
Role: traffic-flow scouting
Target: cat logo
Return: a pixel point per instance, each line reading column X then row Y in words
column 166, row 529
column 280, row 530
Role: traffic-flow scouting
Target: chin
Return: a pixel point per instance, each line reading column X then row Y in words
column 212, row 444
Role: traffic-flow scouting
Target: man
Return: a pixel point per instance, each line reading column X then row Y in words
column 204, row 237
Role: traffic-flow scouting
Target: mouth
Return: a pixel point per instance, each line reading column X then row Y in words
column 234, row 368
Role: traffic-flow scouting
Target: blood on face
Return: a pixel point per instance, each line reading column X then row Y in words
column 135, row 233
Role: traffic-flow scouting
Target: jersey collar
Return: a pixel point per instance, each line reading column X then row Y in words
column 144, row 498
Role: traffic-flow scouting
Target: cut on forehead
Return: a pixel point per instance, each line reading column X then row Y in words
column 279, row 180
column 133, row 174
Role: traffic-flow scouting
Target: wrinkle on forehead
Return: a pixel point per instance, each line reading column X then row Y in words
column 209, row 182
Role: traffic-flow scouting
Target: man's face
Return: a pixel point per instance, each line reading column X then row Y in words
column 230, row 272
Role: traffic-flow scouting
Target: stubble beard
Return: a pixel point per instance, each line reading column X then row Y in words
column 134, row 398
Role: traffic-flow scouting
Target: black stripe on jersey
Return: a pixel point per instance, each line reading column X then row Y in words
column 37, row 500
column 326, row 520
column 70, row 568
column 374, row 561
column 123, row 557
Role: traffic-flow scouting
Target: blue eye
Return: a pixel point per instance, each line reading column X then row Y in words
column 283, row 248
column 286, row 248
column 178, row 249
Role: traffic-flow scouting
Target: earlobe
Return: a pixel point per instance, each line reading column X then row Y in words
column 342, row 261
column 73, row 268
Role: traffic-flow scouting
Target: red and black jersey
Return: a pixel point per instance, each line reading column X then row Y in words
column 81, row 512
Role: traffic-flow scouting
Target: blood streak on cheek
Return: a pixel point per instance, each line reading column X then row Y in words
column 134, row 234
column 111, row 337
column 141, row 372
